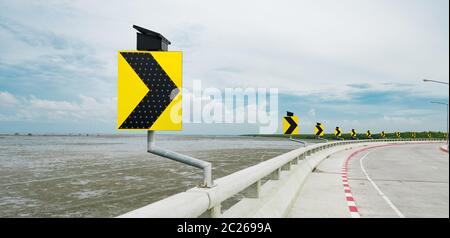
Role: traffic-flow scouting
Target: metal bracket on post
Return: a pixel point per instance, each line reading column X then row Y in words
column 299, row 141
column 320, row 138
column 205, row 166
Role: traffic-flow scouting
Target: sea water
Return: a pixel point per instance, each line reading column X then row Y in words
column 108, row 175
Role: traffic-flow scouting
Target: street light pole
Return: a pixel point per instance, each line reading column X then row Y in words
column 446, row 104
column 435, row 81
column 440, row 82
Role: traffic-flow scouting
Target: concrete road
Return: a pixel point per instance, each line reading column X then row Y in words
column 401, row 181
column 392, row 181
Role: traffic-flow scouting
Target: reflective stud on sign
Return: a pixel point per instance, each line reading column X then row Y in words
column 149, row 90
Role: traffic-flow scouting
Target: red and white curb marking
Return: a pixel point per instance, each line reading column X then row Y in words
column 347, row 191
column 353, row 209
column 344, row 173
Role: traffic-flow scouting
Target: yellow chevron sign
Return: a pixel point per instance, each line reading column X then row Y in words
column 290, row 125
column 353, row 133
column 398, row 135
column 383, row 134
column 318, row 129
column 337, row 132
column 413, row 135
column 149, row 90
column 368, row 134
column 429, row 135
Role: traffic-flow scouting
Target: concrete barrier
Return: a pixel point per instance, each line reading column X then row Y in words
column 186, row 204
column 286, row 174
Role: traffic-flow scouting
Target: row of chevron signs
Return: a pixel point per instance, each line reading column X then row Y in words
column 291, row 127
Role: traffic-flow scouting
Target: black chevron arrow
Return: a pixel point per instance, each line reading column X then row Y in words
column 353, row 133
column 319, row 129
column 292, row 126
column 338, row 131
column 160, row 86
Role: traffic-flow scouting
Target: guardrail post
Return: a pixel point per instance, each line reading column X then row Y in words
column 286, row 166
column 256, row 193
column 276, row 174
column 216, row 211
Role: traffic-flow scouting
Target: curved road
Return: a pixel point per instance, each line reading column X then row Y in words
column 401, row 181
column 393, row 181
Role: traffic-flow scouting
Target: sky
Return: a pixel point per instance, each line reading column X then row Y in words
column 349, row 63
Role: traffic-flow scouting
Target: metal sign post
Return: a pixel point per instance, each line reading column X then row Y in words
column 338, row 133
column 205, row 166
column 149, row 85
column 299, row 141
column 290, row 127
column 319, row 131
column 353, row 134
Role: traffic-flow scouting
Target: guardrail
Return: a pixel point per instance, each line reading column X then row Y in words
column 197, row 201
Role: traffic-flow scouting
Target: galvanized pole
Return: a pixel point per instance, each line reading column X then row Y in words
column 435, row 81
column 441, row 82
column 153, row 41
column 446, row 104
column 205, row 166
column 298, row 141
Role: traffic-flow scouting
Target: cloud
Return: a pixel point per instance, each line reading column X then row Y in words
column 52, row 105
column 32, row 108
column 45, row 60
column 401, row 120
column 348, row 57
column 312, row 112
column 7, row 99
column 331, row 44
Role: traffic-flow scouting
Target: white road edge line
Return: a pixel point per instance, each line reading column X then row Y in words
column 388, row 201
